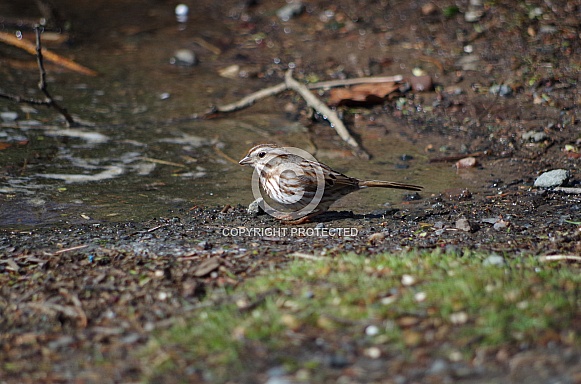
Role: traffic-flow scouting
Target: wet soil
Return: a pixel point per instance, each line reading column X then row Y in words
column 86, row 279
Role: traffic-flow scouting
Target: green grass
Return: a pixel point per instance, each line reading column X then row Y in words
column 445, row 297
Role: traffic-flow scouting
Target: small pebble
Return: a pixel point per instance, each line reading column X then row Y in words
column 500, row 89
column 552, row 178
column 9, row 116
column 371, row 330
column 500, row 225
column 373, row 352
column 535, row 136
column 408, row 280
column 288, row 11
column 469, row 62
column 421, row 83
column 181, row 12
column 494, row 260
column 467, row 162
column 184, row 57
column 473, row 15
column 255, row 208
column 429, row 9
column 463, row 224
column 439, row 366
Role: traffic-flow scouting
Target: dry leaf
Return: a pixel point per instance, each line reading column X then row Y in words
column 366, row 94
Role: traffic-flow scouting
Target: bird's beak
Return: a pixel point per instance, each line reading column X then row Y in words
column 245, row 161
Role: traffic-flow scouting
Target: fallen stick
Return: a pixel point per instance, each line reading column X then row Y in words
column 560, row 257
column 358, row 80
column 247, row 101
column 327, row 113
column 49, row 101
column 573, row 191
column 49, row 55
column 311, row 100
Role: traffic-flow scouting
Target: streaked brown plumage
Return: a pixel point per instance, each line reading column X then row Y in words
column 291, row 181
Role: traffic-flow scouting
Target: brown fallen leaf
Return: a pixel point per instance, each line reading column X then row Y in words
column 362, row 94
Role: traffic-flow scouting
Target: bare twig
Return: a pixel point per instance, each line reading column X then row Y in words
column 306, row 256
column 560, row 257
column 225, row 156
column 569, row 190
column 312, row 101
column 164, row 162
column 359, row 80
column 49, row 101
column 71, row 249
column 324, row 110
column 49, row 55
column 42, row 83
column 250, row 99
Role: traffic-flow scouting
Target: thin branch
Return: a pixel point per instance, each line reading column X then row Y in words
column 560, row 257
column 50, row 56
column 306, row 256
column 42, row 83
column 324, row 110
column 359, row 80
column 250, row 99
column 49, row 101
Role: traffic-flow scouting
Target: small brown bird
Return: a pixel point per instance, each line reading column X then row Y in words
column 303, row 188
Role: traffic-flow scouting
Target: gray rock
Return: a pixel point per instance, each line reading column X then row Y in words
column 184, row 57
column 255, row 208
column 552, row 178
column 534, row 136
column 288, row 11
column 463, row 225
column 8, row 116
column 494, row 260
column 469, row 62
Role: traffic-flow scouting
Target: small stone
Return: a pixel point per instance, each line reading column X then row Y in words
column 500, row 89
column 500, row 225
column 429, row 9
column 230, row 72
column 494, row 260
column 376, row 238
column 535, row 136
column 184, row 57
column 421, row 83
column 469, row 62
column 463, row 225
column 552, row 178
column 467, row 162
column 473, row 16
column 288, row 11
column 439, row 366
column 420, row 297
column 373, row 352
column 408, row 280
column 8, row 116
column 255, row 208
column 371, row 330
column 459, row 318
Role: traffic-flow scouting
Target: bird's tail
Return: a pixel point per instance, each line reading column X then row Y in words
column 389, row 184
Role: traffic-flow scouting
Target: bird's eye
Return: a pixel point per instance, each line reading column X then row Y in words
column 262, row 154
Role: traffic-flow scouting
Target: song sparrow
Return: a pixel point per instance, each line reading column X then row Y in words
column 303, row 188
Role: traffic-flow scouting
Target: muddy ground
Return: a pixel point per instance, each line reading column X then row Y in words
column 78, row 299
